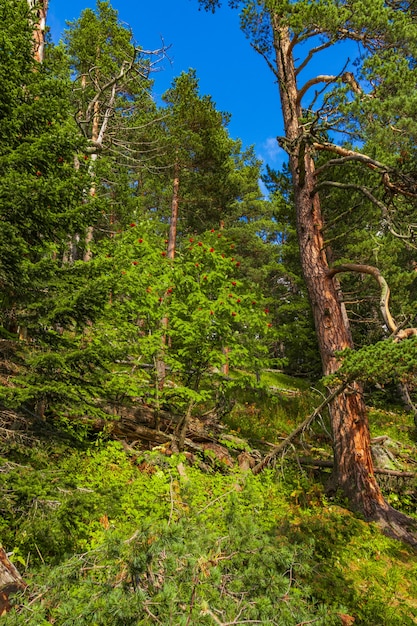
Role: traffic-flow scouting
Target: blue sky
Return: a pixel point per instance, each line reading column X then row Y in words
column 236, row 78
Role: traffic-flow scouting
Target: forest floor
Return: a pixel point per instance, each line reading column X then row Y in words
column 111, row 533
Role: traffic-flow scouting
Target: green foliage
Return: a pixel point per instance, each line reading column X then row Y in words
column 383, row 362
column 356, row 567
column 40, row 189
column 272, row 415
column 129, row 308
column 186, row 312
column 291, row 308
column 113, row 540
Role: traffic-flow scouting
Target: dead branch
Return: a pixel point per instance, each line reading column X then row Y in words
column 354, row 156
column 351, row 155
column 310, row 55
column 385, row 290
column 381, row 205
column 322, row 78
column 305, row 424
column 10, row 581
column 328, row 463
column 361, row 188
column 384, row 299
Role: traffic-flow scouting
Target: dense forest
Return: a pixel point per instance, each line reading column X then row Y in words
column 208, row 394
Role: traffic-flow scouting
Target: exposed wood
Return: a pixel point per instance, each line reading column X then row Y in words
column 383, row 472
column 353, row 465
column 385, row 291
column 407, row 188
column 353, row 461
column 39, row 30
column 314, row 81
column 142, row 424
column 384, row 300
column 172, row 237
column 10, row 581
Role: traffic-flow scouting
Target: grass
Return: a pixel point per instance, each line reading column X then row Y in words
column 109, row 539
column 273, row 410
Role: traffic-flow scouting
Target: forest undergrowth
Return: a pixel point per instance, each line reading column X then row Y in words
column 110, row 536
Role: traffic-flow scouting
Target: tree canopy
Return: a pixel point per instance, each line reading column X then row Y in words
column 149, row 286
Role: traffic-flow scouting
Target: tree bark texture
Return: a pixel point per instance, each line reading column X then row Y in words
column 172, row 237
column 353, row 466
column 39, row 28
column 10, row 582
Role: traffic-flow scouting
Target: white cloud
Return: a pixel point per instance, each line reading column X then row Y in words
column 271, row 147
column 271, row 152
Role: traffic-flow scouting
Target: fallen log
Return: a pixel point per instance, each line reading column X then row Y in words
column 328, row 463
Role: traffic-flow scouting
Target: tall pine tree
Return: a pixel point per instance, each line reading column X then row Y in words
column 289, row 36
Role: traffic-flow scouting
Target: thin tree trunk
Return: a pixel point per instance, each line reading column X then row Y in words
column 353, row 466
column 225, row 349
column 94, row 138
column 172, row 242
column 172, row 237
column 39, row 28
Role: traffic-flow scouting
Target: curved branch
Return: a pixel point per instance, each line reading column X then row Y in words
column 385, row 291
column 384, row 299
column 310, row 55
column 265, row 57
column 322, row 78
column 347, row 159
column 361, row 188
column 384, row 209
column 349, row 155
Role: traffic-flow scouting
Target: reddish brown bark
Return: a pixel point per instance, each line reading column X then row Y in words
column 10, row 581
column 39, row 28
column 353, row 466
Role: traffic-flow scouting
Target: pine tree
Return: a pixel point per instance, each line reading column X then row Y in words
column 113, row 106
column 276, row 29
column 40, row 189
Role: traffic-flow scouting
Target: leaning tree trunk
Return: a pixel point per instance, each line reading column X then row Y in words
column 353, row 465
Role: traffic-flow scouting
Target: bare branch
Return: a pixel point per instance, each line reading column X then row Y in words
column 128, row 67
column 301, row 428
column 361, row 188
column 384, row 300
column 125, row 69
column 376, row 274
column 341, row 161
column 381, row 205
column 107, row 114
column 303, row 36
column 311, row 54
column 349, row 155
column 265, row 57
column 322, row 78
column 377, row 470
